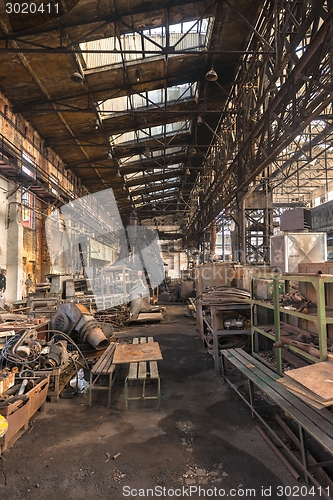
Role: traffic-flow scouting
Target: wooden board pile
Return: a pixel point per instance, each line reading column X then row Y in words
column 313, row 383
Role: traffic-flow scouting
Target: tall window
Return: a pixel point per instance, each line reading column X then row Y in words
column 28, row 210
column 28, row 165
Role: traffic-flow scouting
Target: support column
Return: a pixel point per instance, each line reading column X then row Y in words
column 14, row 231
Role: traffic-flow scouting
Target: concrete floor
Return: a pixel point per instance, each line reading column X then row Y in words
column 202, row 437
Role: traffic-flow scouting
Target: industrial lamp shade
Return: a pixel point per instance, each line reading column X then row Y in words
column 211, row 75
column 76, row 77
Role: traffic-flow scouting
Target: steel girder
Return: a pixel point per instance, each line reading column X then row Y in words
column 275, row 97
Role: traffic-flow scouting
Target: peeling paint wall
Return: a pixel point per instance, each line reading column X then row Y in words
column 23, row 246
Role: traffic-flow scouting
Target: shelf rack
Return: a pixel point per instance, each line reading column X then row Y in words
column 319, row 314
column 212, row 310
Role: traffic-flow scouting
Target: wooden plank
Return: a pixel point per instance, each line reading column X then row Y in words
column 318, row 378
column 131, row 353
column 297, row 390
column 153, row 368
column 142, row 372
column 148, row 317
column 111, row 368
column 133, row 371
column 101, row 364
column 104, row 361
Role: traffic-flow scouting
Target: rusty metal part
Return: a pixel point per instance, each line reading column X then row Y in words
column 70, row 316
column 57, row 355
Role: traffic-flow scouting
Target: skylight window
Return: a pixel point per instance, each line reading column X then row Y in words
column 147, row 100
column 134, row 189
column 192, row 35
column 150, row 132
column 167, row 153
column 157, row 171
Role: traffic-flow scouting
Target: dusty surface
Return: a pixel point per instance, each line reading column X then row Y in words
column 202, row 437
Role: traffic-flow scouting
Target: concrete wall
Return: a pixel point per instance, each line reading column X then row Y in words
column 4, row 187
column 24, row 250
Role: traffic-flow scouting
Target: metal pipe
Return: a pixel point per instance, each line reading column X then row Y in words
column 23, row 386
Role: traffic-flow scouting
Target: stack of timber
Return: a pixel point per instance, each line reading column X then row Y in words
column 313, row 383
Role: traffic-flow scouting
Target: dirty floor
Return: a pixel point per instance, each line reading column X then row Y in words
column 201, row 443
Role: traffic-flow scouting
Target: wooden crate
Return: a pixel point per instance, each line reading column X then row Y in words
column 19, row 412
column 7, row 380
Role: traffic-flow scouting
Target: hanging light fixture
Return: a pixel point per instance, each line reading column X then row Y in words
column 211, row 75
column 118, row 174
column 110, row 153
column 138, row 74
column 77, row 77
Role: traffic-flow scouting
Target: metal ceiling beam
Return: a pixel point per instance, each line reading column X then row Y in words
column 105, row 19
column 292, row 107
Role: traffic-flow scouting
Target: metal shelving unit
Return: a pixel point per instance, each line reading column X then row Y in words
column 318, row 314
column 222, row 313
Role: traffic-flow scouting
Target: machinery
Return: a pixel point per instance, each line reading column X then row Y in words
column 70, row 316
column 27, row 352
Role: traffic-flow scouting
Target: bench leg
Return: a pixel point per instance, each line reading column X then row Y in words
column 110, row 389
column 222, row 365
column 304, row 454
column 90, row 389
column 251, row 395
column 158, row 393
column 126, row 393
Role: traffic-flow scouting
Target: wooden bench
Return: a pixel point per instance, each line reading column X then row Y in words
column 311, row 422
column 103, row 367
column 143, row 371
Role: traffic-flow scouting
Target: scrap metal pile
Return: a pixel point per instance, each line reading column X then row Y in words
column 294, row 301
column 26, row 353
column 55, row 351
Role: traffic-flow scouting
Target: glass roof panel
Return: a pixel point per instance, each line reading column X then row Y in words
column 147, row 100
column 157, row 171
column 134, row 46
column 132, row 189
column 150, row 132
column 128, row 160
